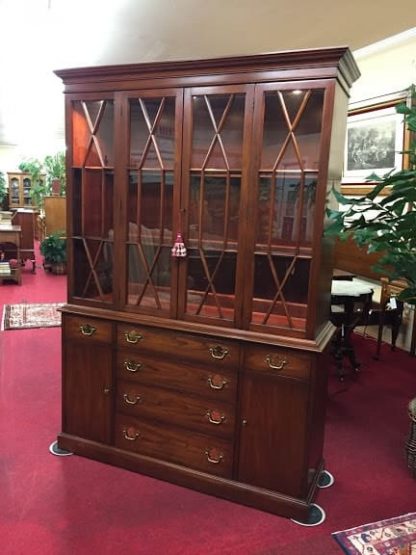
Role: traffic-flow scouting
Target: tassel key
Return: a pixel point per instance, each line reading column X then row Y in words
column 179, row 249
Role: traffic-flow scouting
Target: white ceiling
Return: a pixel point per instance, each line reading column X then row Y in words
column 37, row 36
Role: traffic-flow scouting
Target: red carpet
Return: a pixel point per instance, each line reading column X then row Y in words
column 72, row 506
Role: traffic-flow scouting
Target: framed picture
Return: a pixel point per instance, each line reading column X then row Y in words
column 374, row 144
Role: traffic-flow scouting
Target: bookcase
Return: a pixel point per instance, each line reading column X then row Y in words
column 208, row 367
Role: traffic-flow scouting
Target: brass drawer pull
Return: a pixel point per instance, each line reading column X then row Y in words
column 218, row 352
column 129, row 437
column 132, row 400
column 132, row 366
column 133, row 337
column 214, row 417
column 276, row 364
column 217, row 382
column 214, row 456
column 87, row 330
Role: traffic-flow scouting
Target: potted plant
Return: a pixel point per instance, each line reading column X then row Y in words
column 55, row 170
column 53, row 248
column 386, row 224
column 3, row 190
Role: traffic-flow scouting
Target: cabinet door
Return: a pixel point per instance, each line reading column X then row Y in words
column 152, row 207
column 273, row 433
column 90, row 194
column 87, row 396
column 289, row 144
column 215, row 175
column 14, row 191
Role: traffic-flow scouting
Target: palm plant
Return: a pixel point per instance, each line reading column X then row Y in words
column 386, row 224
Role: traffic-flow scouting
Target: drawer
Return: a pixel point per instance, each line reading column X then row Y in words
column 185, row 346
column 85, row 328
column 210, row 382
column 173, row 445
column 277, row 361
column 177, row 409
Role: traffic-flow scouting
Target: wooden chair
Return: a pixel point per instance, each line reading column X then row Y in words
column 389, row 312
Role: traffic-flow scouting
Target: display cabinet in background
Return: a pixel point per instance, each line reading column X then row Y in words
column 199, row 280
column 20, row 186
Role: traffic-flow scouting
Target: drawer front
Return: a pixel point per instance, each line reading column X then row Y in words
column 278, row 362
column 221, row 354
column 172, row 445
column 177, row 409
column 210, row 382
column 85, row 328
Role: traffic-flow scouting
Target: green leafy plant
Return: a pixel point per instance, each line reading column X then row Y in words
column 3, row 190
column 39, row 188
column 54, row 166
column 386, row 224
column 53, row 248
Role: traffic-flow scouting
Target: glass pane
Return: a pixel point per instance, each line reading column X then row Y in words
column 286, row 205
column 280, row 291
column 93, row 264
column 211, row 283
column 97, row 202
column 14, row 190
column 149, row 245
column 93, row 133
column 152, row 132
column 214, row 208
column 217, row 131
column 292, row 129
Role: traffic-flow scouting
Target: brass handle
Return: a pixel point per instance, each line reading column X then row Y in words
column 107, row 390
column 214, row 417
column 87, row 330
column 132, row 400
column 279, row 364
column 214, row 385
column 218, row 351
column 212, row 460
column 133, row 337
column 132, row 366
column 129, row 437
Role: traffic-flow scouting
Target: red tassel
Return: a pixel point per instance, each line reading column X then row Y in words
column 179, row 249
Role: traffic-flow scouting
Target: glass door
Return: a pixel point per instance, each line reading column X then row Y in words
column 153, row 177
column 91, row 198
column 217, row 125
column 288, row 142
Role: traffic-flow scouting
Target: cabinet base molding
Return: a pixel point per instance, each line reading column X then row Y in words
column 231, row 490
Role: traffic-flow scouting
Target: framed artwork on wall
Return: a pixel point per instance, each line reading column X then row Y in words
column 374, row 144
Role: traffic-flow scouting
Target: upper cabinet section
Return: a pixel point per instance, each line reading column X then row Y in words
column 229, row 157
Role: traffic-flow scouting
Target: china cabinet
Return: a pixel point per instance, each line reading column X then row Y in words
column 196, row 331
column 20, row 187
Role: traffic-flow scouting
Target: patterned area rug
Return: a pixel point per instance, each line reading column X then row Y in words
column 394, row 536
column 22, row 316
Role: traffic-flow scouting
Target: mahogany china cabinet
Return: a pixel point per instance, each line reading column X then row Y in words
column 196, row 331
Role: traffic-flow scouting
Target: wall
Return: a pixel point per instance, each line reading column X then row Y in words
column 385, row 69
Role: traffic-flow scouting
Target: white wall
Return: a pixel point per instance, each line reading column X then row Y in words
column 387, row 69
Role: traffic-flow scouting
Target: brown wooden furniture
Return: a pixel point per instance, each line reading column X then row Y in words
column 356, row 260
column 55, row 214
column 390, row 313
column 26, row 219
column 20, row 186
column 207, row 370
column 10, row 249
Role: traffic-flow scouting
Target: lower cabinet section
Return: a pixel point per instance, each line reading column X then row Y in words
column 231, row 418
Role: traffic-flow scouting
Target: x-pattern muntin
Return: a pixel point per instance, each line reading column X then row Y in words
column 151, row 139
column 93, row 127
column 218, row 128
column 291, row 137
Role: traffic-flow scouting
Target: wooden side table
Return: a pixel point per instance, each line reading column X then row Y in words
column 10, row 234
